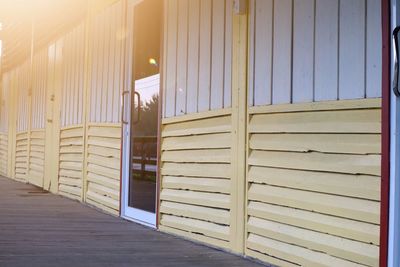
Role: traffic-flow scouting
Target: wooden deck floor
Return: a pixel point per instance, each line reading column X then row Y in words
column 41, row 229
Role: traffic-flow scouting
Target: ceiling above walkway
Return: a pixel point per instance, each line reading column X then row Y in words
column 50, row 17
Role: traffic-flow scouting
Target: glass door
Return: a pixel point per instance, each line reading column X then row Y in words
column 140, row 178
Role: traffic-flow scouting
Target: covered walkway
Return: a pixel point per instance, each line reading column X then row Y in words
column 41, row 229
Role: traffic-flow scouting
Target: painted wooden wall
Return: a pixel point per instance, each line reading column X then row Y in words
column 39, row 87
column 4, row 111
column 72, row 95
column 106, row 64
column 197, row 56
column 196, row 190
column 23, row 82
column 306, row 50
column 314, row 184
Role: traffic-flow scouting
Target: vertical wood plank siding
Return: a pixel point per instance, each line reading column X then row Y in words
column 22, row 79
column 4, row 104
column 314, row 185
column 198, row 56
column 39, row 87
column 314, row 50
column 73, row 77
column 106, row 64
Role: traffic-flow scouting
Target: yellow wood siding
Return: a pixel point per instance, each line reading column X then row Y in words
column 71, row 166
column 3, row 154
column 36, row 157
column 196, row 179
column 21, row 157
column 103, row 166
column 314, row 185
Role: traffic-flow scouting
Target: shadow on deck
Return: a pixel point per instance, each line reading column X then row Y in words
column 41, row 229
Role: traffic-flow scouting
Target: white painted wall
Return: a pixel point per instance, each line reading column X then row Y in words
column 314, row 50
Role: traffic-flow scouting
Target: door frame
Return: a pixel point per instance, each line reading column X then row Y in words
column 126, row 104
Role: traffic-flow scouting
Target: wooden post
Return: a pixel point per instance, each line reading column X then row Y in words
column 239, row 119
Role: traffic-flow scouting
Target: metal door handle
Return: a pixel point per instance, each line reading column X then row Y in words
column 396, row 36
column 123, row 106
column 138, row 108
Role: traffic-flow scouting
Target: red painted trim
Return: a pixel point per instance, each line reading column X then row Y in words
column 385, row 162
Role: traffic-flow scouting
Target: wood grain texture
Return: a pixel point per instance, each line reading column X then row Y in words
column 196, row 178
column 314, row 185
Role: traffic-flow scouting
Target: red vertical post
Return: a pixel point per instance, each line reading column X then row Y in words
column 385, row 163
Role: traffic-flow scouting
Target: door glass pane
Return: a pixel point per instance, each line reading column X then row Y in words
column 147, row 40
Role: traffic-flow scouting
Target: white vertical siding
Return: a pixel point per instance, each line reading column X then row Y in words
column 22, row 77
column 39, row 86
column 106, row 64
column 198, row 56
column 4, row 102
column 73, row 77
column 314, row 50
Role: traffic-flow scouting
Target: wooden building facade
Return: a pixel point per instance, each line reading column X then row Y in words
column 257, row 130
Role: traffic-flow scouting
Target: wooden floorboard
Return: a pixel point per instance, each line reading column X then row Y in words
column 41, row 229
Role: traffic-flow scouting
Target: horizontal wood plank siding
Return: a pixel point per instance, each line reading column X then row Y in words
column 21, row 157
column 196, row 179
column 3, row 154
column 307, row 51
column 71, row 162
column 314, row 187
column 103, row 167
column 36, row 157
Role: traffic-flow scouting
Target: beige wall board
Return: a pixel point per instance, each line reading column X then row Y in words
column 340, row 163
column 357, row 209
column 222, row 171
column 196, row 198
column 104, row 151
column 100, row 170
column 103, row 180
column 70, row 181
column 39, row 134
column 196, row 226
column 71, row 132
column 37, row 142
column 345, row 121
column 218, row 216
column 101, row 199
column 111, row 132
column 35, row 154
column 198, row 156
column 39, row 149
column 194, row 236
column 330, row 143
column 196, row 184
column 336, row 246
column 35, row 161
column 299, row 255
column 73, row 149
column 355, row 230
column 205, row 126
column 105, row 142
column 206, row 141
column 76, row 166
column 72, row 141
column 70, row 189
column 112, row 163
column 103, row 190
column 360, row 186
column 71, row 157
column 70, row 173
